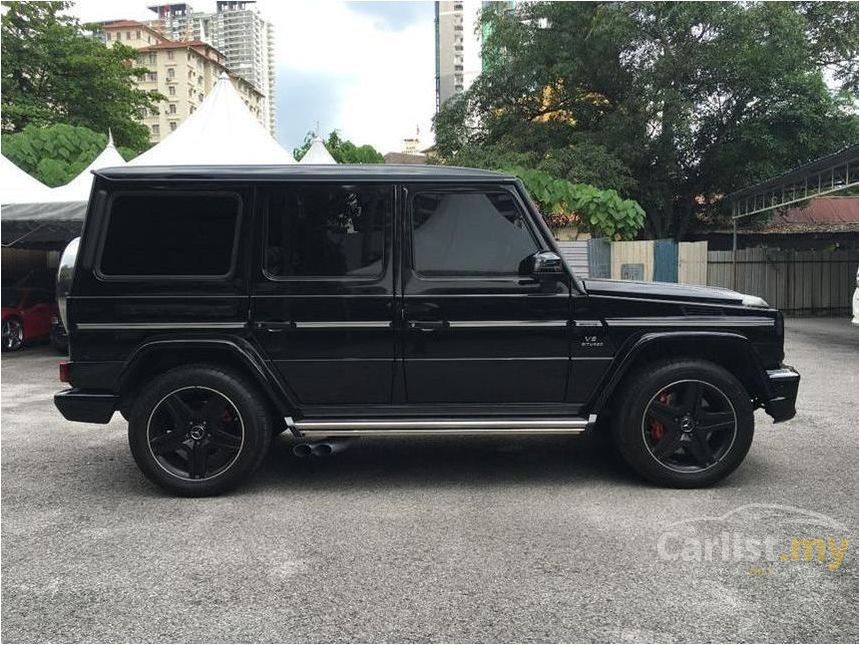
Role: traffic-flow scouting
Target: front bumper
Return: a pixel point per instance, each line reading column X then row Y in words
column 87, row 407
column 783, row 384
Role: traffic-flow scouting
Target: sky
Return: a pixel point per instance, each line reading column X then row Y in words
column 366, row 68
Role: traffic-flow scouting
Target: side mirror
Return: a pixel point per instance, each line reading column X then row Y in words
column 543, row 265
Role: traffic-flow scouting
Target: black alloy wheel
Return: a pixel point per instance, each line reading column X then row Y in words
column 199, row 430
column 683, row 422
column 195, row 433
column 13, row 334
column 689, row 426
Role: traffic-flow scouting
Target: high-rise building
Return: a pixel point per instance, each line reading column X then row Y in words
column 238, row 31
column 458, row 48
column 183, row 71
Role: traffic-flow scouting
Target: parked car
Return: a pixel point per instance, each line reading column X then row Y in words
column 27, row 312
column 215, row 306
column 855, row 302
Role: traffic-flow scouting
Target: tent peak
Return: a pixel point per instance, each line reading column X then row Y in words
column 110, row 143
column 223, row 76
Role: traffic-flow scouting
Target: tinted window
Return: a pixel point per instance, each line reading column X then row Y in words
column 191, row 234
column 472, row 233
column 327, row 231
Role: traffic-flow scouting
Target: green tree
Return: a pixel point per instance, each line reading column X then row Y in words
column 343, row 150
column 603, row 213
column 673, row 104
column 55, row 154
column 55, row 73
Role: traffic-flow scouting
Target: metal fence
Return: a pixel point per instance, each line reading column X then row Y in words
column 797, row 282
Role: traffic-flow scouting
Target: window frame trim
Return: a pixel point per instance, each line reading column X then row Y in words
column 387, row 234
column 409, row 245
column 223, row 277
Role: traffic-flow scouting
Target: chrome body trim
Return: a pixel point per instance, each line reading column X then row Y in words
column 588, row 323
column 157, row 326
column 341, row 324
column 682, row 321
column 481, row 324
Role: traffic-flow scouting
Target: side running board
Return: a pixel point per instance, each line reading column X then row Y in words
column 450, row 426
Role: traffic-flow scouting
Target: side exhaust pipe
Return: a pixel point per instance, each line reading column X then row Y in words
column 329, row 447
column 321, row 448
column 302, row 450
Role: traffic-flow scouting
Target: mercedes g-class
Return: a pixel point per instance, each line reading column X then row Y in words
column 214, row 307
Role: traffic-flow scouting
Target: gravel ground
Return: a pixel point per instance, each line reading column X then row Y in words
column 458, row 539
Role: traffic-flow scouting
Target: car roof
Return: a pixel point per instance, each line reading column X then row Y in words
column 339, row 172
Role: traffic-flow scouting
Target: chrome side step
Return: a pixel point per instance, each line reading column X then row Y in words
column 424, row 427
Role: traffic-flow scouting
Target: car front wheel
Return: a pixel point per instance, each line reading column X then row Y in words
column 198, row 431
column 684, row 423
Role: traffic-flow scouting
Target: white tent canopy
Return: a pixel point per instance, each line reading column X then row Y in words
column 17, row 187
column 222, row 131
column 78, row 190
column 317, row 153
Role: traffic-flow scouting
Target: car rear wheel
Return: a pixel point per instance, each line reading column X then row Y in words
column 13, row 334
column 198, row 431
column 684, row 423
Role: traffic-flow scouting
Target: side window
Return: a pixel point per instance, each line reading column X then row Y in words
column 172, row 235
column 323, row 230
column 469, row 233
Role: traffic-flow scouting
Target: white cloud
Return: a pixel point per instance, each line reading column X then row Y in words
column 383, row 77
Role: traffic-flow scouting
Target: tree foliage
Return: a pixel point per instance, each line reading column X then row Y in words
column 673, row 104
column 343, row 150
column 54, row 73
column 603, row 213
column 55, row 154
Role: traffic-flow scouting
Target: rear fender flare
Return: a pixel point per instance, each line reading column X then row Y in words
column 238, row 348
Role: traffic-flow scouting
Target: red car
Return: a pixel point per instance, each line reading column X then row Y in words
column 27, row 313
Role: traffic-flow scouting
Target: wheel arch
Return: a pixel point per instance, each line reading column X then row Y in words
column 157, row 356
column 732, row 351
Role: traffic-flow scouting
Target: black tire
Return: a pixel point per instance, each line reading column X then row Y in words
column 672, row 441
column 13, row 334
column 228, row 421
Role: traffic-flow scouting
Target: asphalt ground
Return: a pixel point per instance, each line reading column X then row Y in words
column 454, row 539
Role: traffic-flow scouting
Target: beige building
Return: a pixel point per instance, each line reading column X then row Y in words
column 183, row 71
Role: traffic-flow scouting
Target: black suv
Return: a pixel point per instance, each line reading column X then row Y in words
column 214, row 307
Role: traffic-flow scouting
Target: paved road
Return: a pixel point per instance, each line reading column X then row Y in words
column 441, row 540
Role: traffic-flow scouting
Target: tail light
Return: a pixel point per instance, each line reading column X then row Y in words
column 64, row 371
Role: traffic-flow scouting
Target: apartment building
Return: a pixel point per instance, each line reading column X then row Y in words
column 458, row 47
column 238, row 31
column 183, row 71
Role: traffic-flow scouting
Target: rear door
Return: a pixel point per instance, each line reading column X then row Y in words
column 323, row 290
column 474, row 330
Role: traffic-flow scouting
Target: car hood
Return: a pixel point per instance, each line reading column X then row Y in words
column 662, row 291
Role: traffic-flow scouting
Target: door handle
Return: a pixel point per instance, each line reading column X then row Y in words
column 428, row 325
column 275, row 325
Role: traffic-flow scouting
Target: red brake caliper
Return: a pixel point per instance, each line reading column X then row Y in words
column 655, row 428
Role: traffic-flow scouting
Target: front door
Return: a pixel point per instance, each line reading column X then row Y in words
column 474, row 330
column 323, row 298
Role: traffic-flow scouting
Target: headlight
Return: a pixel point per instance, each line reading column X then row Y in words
column 753, row 301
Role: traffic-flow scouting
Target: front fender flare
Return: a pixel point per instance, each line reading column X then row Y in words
column 629, row 353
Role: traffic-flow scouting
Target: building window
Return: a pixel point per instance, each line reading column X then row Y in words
column 172, row 126
column 152, row 76
column 128, row 35
column 200, row 97
column 170, row 55
column 137, row 35
column 152, row 59
column 171, row 90
column 171, row 72
column 155, row 129
column 107, row 35
column 172, row 108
